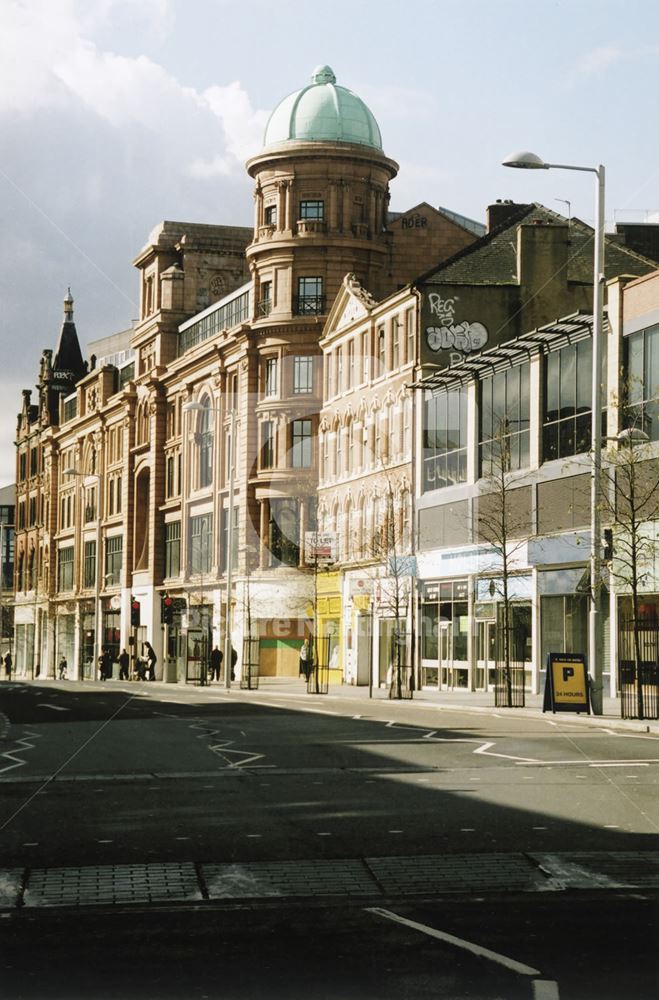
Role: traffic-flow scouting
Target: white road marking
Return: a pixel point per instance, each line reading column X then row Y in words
column 545, row 989
column 32, row 843
column 104, row 841
column 254, row 836
column 484, row 749
column 475, row 949
column 20, row 744
column 586, row 763
column 624, row 764
column 55, row 708
column 324, row 834
column 467, row 829
column 395, row 831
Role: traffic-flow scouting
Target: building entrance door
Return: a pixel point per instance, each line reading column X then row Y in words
column 485, row 655
column 446, row 669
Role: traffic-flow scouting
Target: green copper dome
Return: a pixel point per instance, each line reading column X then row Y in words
column 322, row 112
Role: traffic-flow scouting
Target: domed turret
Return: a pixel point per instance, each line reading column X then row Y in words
column 323, row 112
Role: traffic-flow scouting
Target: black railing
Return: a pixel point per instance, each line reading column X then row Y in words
column 249, row 668
column 509, row 670
column 309, row 305
column 638, row 665
column 400, row 676
column 319, row 651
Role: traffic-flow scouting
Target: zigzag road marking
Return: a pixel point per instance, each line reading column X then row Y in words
column 20, row 744
column 223, row 749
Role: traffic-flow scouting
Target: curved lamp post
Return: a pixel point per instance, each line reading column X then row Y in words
column 194, row 407
column 530, row 161
column 97, row 581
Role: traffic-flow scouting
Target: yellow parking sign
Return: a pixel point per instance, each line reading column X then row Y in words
column 566, row 686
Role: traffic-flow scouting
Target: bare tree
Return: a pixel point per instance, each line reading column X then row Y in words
column 503, row 522
column 390, row 546
column 629, row 502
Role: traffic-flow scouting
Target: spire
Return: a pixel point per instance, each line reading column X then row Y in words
column 68, row 307
column 68, row 356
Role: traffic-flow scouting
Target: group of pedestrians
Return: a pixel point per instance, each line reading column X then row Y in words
column 145, row 665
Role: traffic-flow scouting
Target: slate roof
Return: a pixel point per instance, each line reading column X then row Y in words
column 493, row 259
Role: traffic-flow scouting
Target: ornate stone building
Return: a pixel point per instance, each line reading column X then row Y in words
column 138, row 496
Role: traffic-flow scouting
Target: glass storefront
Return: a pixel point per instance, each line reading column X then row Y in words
column 444, row 634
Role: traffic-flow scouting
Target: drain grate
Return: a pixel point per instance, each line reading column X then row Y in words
column 10, row 886
column 105, row 884
column 602, row 869
column 289, row 878
column 453, row 873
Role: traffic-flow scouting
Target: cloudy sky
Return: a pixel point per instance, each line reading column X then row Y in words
column 116, row 114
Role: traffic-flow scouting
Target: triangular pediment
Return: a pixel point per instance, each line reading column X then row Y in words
column 352, row 304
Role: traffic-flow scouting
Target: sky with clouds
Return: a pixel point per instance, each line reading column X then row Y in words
column 116, row 114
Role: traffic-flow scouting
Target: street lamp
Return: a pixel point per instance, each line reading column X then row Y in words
column 530, row 161
column 194, row 407
column 96, row 652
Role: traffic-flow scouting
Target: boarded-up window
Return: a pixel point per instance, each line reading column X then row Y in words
column 444, row 527
column 508, row 516
column 563, row 504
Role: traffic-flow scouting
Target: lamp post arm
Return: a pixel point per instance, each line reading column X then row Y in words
column 227, row 620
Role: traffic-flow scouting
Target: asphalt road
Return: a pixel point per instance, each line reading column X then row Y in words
column 242, row 786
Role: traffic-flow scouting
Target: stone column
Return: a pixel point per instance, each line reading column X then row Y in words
column 263, row 533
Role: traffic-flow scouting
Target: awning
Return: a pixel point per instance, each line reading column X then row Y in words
column 553, row 336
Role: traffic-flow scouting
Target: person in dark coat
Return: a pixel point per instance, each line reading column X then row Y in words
column 216, row 664
column 152, row 660
column 8, row 665
column 105, row 663
column 124, row 664
column 234, row 660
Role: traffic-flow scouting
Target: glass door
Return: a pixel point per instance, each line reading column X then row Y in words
column 446, row 667
column 485, row 655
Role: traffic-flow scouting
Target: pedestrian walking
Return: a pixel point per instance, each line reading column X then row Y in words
column 305, row 661
column 234, row 660
column 107, row 665
column 63, row 668
column 8, row 666
column 216, row 664
column 124, row 664
column 152, row 659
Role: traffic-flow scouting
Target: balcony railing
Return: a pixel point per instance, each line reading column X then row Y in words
column 308, row 227
column 264, row 307
column 309, row 305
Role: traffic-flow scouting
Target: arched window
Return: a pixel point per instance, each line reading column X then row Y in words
column 142, row 430
column 205, row 443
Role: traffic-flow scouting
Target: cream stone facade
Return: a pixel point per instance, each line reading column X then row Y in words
column 133, row 472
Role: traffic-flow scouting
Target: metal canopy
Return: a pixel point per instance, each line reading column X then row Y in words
column 550, row 337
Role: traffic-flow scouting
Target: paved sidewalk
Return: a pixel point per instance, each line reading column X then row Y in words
column 457, row 700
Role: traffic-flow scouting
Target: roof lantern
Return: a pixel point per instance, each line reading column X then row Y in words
column 323, row 112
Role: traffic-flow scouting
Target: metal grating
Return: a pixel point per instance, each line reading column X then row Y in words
column 109, row 884
column 602, row 869
column 289, row 878
column 454, row 873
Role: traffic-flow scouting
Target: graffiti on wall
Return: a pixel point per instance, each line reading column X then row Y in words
column 447, row 335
